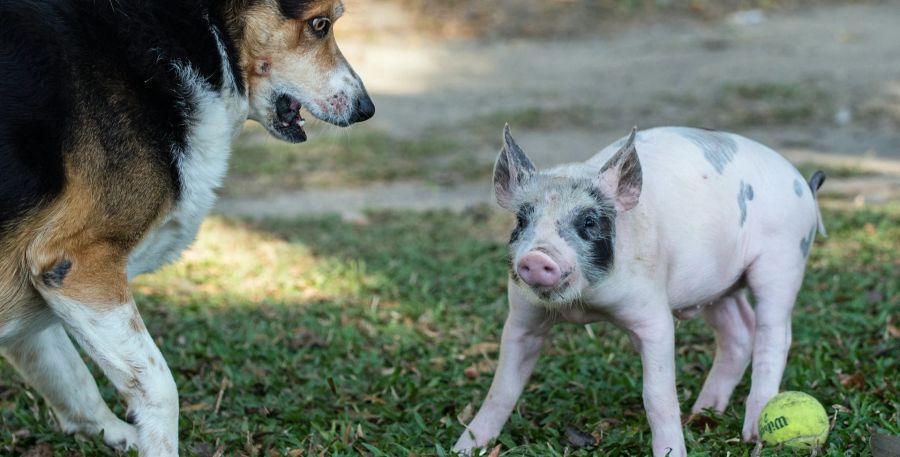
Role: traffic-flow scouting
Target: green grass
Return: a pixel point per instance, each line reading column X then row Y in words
column 438, row 155
column 835, row 171
column 751, row 104
column 488, row 125
column 340, row 338
column 260, row 164
column 769, row 103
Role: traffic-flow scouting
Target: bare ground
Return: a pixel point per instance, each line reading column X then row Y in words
column 822, row 86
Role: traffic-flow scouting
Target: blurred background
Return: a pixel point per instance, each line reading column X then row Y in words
column 347, row 296
column 817, row 80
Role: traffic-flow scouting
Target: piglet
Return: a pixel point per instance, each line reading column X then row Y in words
column 669, row 221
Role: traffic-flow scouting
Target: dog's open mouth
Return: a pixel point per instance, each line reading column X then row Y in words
column 288, row 122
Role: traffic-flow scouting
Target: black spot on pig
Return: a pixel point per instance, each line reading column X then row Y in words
column 511, row 268
column 718, row 147
column 595, row 230
column 602, row 254
column 798, row 188
column 806, row 242
column 744, row 196
column 523, row 219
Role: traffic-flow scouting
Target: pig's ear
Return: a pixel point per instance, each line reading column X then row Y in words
column 621, row 176
column 511, row 170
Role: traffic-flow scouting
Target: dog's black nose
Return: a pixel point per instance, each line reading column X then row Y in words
column 363, row 110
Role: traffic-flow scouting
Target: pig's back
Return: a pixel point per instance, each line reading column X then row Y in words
column 718, row 201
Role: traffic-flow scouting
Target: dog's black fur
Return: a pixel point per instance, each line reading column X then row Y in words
column 68, row 64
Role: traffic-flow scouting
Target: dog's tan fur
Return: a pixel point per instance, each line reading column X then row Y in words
column 103, row 212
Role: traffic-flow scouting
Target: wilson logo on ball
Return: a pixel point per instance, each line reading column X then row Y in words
column 777, row 424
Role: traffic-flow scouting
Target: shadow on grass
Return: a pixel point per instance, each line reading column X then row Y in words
column 353, row 339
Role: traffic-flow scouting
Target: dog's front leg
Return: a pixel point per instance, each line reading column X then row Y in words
column 48, row 360
column 88, row 291
column 520, row 345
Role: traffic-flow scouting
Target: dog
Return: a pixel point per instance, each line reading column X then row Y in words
column 116, row 121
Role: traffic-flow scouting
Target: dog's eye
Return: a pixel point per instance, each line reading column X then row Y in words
column 320, row 26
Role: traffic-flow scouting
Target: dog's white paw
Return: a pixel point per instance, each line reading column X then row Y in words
column 117, row 433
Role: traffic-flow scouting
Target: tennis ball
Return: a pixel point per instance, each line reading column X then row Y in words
column 794, row 419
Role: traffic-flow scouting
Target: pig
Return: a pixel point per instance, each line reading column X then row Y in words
column 669, row 222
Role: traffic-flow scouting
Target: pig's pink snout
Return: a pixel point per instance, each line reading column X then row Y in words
column 538, row 269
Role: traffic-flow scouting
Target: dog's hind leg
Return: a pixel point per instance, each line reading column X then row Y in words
column 48, row 361
column 83, row 281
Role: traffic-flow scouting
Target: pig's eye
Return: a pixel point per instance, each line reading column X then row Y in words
column 588, row 225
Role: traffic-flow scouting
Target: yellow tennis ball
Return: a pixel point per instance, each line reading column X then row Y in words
column 794, row 419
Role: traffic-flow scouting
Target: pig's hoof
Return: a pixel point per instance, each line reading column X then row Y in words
column 750, row 433
column 466, row 446
column 713, row 402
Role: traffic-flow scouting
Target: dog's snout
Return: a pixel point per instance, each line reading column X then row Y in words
column 363, row 110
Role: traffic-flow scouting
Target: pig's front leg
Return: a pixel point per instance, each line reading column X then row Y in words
column 654, row 337
column 520, row 345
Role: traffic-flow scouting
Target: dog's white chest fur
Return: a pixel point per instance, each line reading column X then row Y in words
column 218, row 116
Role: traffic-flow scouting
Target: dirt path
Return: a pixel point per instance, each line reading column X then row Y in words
column 850, row 52
column 350, row 203
column 648, row 75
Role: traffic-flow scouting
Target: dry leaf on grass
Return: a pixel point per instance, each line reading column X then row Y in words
column 578, row 439
column 893, row 330
column 483, row 348
column 479, row 368
column 202, row 449
column 466, row 414
column 852, row 381
column 700, row 421
column 202, row 406
column 41, row 450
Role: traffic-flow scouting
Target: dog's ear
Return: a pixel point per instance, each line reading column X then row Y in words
column 512, row 169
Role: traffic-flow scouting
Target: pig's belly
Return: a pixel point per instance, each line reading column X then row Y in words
column 700, row 277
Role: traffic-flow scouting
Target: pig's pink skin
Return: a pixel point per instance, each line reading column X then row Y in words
column 538, row 269
column 682, row 249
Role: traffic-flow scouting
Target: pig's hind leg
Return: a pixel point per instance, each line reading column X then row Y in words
column 732, row 319
column 775, row 278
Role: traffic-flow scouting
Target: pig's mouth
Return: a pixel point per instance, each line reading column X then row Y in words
column 556, row 293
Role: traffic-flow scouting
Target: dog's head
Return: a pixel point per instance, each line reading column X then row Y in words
column 291, row 61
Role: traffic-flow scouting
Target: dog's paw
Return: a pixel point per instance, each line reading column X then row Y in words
column 119, row 435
